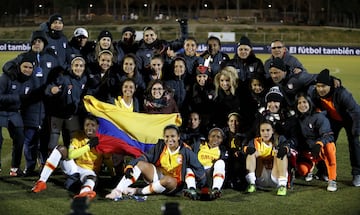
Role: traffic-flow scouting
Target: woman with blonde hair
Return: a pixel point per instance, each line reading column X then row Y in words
column 226, row 95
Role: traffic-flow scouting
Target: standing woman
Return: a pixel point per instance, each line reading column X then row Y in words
column 104, row 42
column 163, row 167
column 103, row 81
column 129, row 70
column 65, row 98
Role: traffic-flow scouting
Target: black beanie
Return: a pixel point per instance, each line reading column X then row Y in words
column 278, row 63
column 104, row 33
column 132, row 30
column 28, row 57
column 324, row 77
column 39, row 35
column 244, row 41
column 54, row 17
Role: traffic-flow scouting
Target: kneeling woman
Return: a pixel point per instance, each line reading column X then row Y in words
column 163, row 167
column 319, row 141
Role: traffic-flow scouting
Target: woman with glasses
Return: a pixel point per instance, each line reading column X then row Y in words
column 159, row 99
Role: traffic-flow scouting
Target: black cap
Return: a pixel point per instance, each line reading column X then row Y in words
column 104, row 33
column 244, row 41
column 28, row 57
column 55, row 17
column 324, row 77
column 39, row 35
column 278, row 63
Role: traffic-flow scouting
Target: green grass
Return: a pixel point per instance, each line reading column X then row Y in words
column 305, row 198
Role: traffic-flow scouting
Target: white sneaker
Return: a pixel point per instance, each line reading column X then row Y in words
column 332, row 186
column 115, row 194
column 309, row 177
column 356, row 180
column 130, row 191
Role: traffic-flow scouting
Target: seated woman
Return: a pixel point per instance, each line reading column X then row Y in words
column 266, row 160
column 319, row 141
column 212, row 155
column 163, row 167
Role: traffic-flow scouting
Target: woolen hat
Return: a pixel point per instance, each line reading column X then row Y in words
column 104, row 33
column 55, row 17
column 278, row 63
column 244, row 41
column 38, row 35
column 28, row 57
column 274, row 95
column 132, row 30
column 81, row 32
column 324, row 77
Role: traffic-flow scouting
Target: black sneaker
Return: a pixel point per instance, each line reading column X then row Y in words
column 191, row 193
column 29, row 173
column 16, row 172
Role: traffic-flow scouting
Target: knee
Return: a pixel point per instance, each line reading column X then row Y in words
column 63, row 151
column 168, row 181
column 304, row 168
column 219, row 164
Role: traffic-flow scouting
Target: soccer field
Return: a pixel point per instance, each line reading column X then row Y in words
column 306, row 197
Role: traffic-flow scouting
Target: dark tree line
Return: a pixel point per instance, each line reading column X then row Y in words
column 326, row 12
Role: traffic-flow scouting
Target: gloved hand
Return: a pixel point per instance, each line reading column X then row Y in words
column 315, row 150
column 282, row 151
column 93, row 142
column 129, row 170
column 250, row 150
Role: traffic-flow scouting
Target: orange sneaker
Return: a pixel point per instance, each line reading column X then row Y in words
column 90, row 194
column 39, row 186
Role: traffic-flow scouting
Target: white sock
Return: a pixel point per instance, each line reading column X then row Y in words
column 125, row 182
column 50, row 165
column 251, row 178
column 87, row 186
column 154, row 187
column 190, row 178
column 218, row 174
column 282, row 181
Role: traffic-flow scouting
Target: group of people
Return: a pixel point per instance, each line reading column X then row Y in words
column 248, row 124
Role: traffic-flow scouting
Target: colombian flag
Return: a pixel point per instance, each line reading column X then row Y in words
column 138, row 130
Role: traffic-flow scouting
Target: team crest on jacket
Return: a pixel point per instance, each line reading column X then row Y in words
column 13, row 86
column 290, row 86
column 310, row 125
column 179, row 159
column 64, row 45
column 48, row 64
